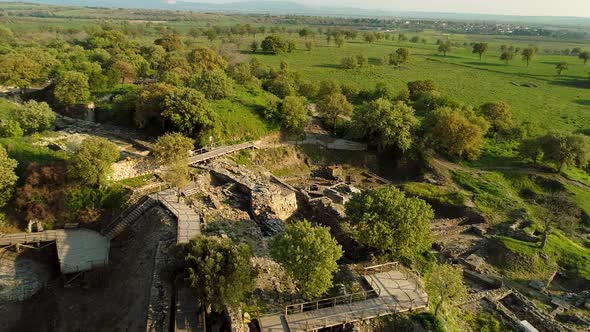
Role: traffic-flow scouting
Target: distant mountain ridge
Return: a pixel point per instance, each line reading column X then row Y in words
column 294, row 8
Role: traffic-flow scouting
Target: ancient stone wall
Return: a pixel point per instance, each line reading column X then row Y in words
column 132, row 167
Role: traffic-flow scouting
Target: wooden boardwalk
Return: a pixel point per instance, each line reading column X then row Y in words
column 188, row 221
column 204, row 155
column 393, row 291
column 78, row 250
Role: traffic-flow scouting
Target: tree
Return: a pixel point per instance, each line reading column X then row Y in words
column 527, row 55
column 329, row 87
column 498, row 114
column 444, row 284
column 349, row 62
column 7, row 176
column 369, row 37
column 453, row 133
column 206, row 59
column 188, row 111
column 274, row 44
column 151, row 102
column 125, row 70
column 386, row 220
column 294, row 114
column 334, row 106
column 309, row 254
column 416, row 88
column 214, row 84
column 308, row 45
column 507, row 56
column 386, row 125
column 35, row 116
column 171, row 153
column 584, row 56
column 531, row 149
column 401, row 55
column 92, row 163
column 444, row 47
column 170, row 42
column 560, row 67
column 480, row 48
column 72, row 88
column 254, row 46
column 566, row 149
column 219, row 272
column 361, row 60
column 561, row 211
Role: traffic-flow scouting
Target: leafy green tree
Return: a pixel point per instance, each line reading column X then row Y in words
column 560, row 67
column 92, row 163
column 444, row 284
column 274, row 45
column 335, row 105
column 329, row 87
column 211, row 35
column 35, row 116
column 21, row 70
column 309, row 254
column 561, row 212
column 391, row 223
column 188, row 111
column 10, row 128
column 584, row 56
column 400, row 56
column 214, row 84
column 125, row 70
column 480, row 48
column 219, row 272
column 206, row 59
column 498, row 114
column 369, row 37
column 565, row 149
column 507, row 56
column 72, row 88
column 170, row 42
column 445, row 47
column 454, row 133
column 294, row 114
column 7, row 176
column 527, row 55
column 254, row 46
column 531, row 148
column 171, row 153
column 361, row 60
column 385, row 124
column 416, row 88
column 281, row 86
column 308, row 89
column 308, row 45
column 151, row 102
column 349, row 62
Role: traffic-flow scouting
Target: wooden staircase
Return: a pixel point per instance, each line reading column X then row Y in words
column 128, row 217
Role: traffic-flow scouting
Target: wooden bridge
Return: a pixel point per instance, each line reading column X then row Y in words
column 217, row 150
column 78, row 250
column 392, row 290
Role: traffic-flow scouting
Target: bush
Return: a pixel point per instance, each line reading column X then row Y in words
column 35, row 116
column 214, row 84
column 10, row 129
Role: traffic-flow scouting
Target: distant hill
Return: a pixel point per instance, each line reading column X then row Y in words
column 294, row 8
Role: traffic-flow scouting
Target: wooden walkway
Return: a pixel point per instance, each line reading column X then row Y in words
column 78, row 250
column 204, row 155
column 188, row 221
column 393, row 291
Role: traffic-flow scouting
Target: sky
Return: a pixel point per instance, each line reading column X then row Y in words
column 501, row 7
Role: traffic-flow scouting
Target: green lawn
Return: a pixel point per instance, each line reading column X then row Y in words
column 559, row 102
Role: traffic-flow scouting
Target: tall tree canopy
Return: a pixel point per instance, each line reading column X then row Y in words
column 188, row 111
column 444, row 284
column 206, row 59
column 7, row 176
column 385, row 124
column 498, row 114
column 334, row 106
column 219, row 272
column 391, row 223
column 93, row 162
column 294, row 114
column 35, row 116
column 72, row 88
column 309, row 254
column 480, row 48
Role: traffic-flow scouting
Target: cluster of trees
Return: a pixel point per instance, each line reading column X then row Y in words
column 29, row 118
column 354, row 61
column 559, row 149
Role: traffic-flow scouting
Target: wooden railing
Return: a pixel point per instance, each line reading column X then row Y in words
column 330, row 302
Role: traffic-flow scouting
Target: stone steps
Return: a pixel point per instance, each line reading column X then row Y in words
column 129, row 216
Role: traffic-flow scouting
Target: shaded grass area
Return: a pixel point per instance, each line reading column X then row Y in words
column 25, row 152
column 434, row 193
column 566, row 252
column 240, row 116
column 138, row 181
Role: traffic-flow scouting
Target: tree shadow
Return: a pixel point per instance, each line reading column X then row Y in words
column 329, row 65
column 583, row 102
column 487, row 64
column 441, row 56
column 374, row 61
column 572, row 82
